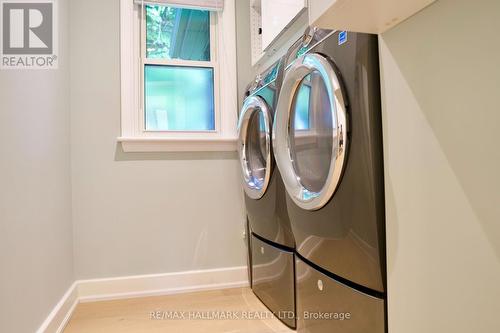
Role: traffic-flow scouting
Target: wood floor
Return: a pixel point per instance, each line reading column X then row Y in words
column 228, row 310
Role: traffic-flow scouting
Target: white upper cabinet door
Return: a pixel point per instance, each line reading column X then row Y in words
column 372, row 16
column 278, row 15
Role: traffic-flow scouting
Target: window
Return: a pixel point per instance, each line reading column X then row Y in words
column 178, row 71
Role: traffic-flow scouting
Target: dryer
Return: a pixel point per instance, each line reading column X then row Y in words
column 271, row 243
column 327, row 141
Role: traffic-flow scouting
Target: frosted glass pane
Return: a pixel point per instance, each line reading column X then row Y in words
column 179, row 98
column 177, row 33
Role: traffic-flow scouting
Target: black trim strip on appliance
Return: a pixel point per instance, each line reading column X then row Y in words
column 271, row 243
column 344, row 281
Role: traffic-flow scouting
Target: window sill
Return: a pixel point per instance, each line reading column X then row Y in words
column 137, row 144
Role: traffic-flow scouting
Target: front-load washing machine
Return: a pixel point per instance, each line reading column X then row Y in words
column 271, row 243
column 328, row 147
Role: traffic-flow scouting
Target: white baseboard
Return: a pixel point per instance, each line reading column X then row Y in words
column 59, row 316
column 140, row 286
column 161, row 284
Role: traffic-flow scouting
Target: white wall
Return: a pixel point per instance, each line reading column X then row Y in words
column 140, row 213
column 36, row 251
column 441, row 79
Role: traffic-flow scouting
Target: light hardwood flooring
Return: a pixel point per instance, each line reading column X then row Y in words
column 247, row 314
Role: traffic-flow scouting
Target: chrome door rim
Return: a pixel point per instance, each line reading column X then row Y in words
column 281, row 131
column 252, row 105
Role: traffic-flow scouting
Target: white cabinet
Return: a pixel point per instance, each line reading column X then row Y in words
column 274, row 24
column 277, row 15
column 256, row 30
column 372, row 16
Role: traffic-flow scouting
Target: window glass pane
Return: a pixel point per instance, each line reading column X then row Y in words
column 177, row 33
column 179, row 98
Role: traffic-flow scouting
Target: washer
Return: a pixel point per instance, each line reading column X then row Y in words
column 271, row 242
column 328, row 147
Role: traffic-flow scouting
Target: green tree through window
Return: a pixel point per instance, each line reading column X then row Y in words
column 176, row 33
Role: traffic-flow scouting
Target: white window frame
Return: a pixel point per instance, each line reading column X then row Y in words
column 134, row 137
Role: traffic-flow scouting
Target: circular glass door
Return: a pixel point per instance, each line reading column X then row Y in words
column 254, row 146
column 310, row 131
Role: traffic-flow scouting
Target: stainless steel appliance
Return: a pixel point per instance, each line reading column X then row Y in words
column 271, row 243
column 327, row 141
